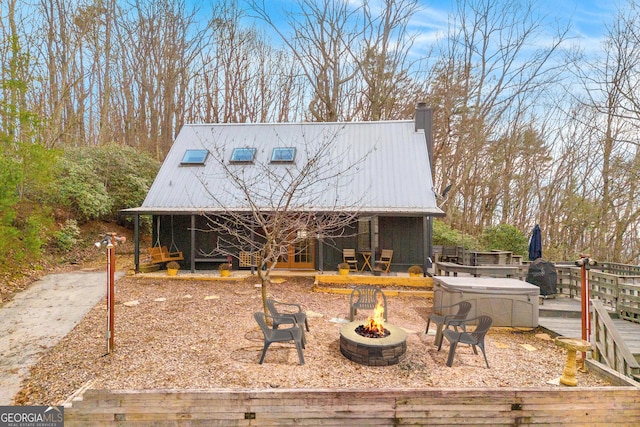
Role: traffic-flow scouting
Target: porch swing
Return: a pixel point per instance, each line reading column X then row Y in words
column 160, row 254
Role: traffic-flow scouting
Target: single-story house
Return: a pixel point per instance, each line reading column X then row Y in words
column 386, row 178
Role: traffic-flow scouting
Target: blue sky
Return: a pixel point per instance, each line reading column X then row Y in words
column 587, row 17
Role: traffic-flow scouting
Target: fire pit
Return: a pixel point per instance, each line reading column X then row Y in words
column 382, row 351
column 373, row 343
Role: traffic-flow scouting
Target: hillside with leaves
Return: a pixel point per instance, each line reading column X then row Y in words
column 47, row 204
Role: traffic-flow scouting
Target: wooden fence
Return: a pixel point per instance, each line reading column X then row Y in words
column 562, row 406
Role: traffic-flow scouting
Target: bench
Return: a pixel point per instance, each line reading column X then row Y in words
column 210, row 259
column 161, row 255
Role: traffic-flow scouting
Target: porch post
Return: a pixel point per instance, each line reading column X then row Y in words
column 372, row 239
column 427, row 233
column 193, row 243
column 136, row 242
column 320, row 254
column 253, row 254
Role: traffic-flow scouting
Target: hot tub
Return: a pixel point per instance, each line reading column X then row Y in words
column 510, row 302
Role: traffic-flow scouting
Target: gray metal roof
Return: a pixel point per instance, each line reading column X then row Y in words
column 368, row 167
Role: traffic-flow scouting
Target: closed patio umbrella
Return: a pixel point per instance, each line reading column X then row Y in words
column 535, row 244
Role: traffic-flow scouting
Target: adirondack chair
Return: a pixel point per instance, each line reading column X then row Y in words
column 384, row 263
column 349, row 257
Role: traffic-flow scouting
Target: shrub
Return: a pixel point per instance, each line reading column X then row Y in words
column 67, row 237
column 34, row 223
column 225, row 266
column 505, row 237
column 415, row 269
column 82, row 191
column 444, row 235
column 97, row 182
column 172, row 265
column 343, row 266
column 128, row 174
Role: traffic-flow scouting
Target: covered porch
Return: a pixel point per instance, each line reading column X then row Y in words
column 407, row 235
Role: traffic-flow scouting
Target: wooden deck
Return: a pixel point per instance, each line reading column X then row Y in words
column 562, row 316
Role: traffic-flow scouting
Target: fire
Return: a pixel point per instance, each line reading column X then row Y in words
column 375, row 324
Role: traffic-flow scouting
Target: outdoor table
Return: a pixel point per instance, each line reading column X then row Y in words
column 367, row 260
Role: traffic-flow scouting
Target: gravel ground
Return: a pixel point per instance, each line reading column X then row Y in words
column 201, row 334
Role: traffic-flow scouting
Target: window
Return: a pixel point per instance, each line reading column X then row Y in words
column 365, row 235
column 243, row 155
column 283, row 155
column 194, row 157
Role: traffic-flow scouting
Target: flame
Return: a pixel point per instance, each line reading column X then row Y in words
column 375, row 324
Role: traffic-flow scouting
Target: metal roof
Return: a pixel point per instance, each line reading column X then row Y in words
column 368, row 167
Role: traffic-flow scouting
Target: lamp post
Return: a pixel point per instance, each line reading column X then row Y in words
column 110, row 241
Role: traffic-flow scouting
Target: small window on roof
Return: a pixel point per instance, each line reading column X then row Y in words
column 194, row 157
column 283, row 155
column 243, row 155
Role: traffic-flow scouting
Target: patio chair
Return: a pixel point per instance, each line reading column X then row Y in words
column 294, row 333
column 475, row 338
column 366, row 297
column 443, row 320
column 384, row 263
column 349, row 257
column 287, row 314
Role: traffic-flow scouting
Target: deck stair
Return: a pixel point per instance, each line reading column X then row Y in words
column 616, row 341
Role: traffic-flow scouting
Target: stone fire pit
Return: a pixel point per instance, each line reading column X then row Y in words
column 372, row 351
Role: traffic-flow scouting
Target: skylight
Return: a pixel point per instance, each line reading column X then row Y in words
column 194, row 157
column 283, row 155
column 243, row 155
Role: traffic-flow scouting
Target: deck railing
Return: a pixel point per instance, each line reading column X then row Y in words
column 609, row 346
column 629, row 298
column 620, row 292
column 619, row 269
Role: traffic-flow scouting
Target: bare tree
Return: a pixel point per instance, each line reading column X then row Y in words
column 15, row 78
column 158, row 49
column 487, row 85
column 383, row 61
column 267, row 211
column 321, row 35
column 242, row 78
column 610, row 114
